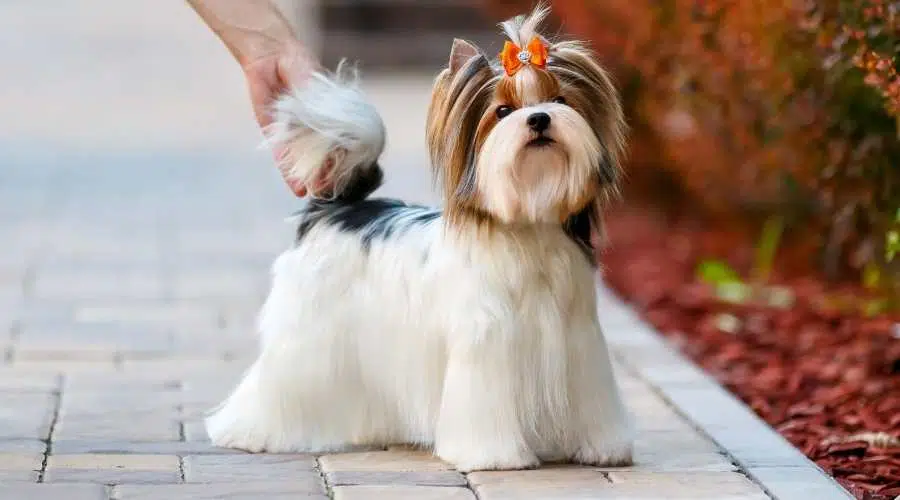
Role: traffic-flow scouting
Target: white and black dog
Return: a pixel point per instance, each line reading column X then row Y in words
column 471, row 330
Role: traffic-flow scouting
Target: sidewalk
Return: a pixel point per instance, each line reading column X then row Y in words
column 136, row 247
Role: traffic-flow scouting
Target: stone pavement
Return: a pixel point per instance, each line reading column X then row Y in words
column 137, row 225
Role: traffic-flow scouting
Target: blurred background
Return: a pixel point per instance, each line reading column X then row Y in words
column 759, row 227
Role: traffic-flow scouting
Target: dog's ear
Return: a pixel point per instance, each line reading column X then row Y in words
column 607, row 119
column 608, row 175
column 460, row 54
column 587, row 227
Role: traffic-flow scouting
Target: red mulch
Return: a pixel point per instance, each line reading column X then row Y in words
column 817, row 375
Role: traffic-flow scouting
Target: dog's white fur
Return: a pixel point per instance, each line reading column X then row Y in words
column 485, row 346
column 519, row 183
column 340, row 128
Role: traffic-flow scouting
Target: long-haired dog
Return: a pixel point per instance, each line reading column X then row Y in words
column 472, row 330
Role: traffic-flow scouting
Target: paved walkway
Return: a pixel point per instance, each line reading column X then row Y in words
column 137, row 225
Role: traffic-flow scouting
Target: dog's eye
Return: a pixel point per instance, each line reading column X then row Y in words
column 559, row 99
column 503, row 111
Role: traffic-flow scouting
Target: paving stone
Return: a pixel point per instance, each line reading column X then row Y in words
column 761, row 447
column 622, row 331
column 81, row 400
column 22, row 446
column 391, row 461
column 194, row 374
column 793, row 482
column 546, row 483
column 197, row 411
column 372, row 477
column 42, row 351
column 62, row 267
column 31, row 491
column 228, row 352
column 8, row 315
column 687, row 486
column 673, row 451
column 218, row 344
column 118, row 415
column 106, row 245
column 253, row 244
column 244, row 316
column 101, row 283
column 10, row 296
column 103, row 364
column 407, row 447
column 95, row 342
column 20, row 466
column 120, row 425
column 14, row 379
column 147, row 313
column 710, row 404
column 217, row 491
column 26, row 415
column 401, row 493
column 658, row 417
column 650, row 412
column 250, row 468
column 46, row 311
column 215, row 383
column 224, row 282
column 113, row 469
column 127, row 383
column 662, row 365
column 125, row 447
column 736, row 428
column 195, row 431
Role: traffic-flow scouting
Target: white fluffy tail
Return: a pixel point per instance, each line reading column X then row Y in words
column 331, row 136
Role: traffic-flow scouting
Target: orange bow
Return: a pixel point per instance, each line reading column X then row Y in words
column 514, row 58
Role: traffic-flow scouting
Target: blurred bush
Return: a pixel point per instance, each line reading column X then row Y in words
column 749, row 110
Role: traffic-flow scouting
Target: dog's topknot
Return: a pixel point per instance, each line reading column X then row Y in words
column 522, row 28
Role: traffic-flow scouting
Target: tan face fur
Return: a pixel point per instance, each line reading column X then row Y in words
column 540, row 146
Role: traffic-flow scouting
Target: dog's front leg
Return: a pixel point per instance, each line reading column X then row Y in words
column 479, row 426
column 600, row 423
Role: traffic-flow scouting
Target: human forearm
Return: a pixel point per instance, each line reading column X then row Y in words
column 251, row 29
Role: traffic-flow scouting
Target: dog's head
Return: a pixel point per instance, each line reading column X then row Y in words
column 532, row 136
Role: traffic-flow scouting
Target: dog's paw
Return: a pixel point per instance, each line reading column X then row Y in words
column 227, row 429
column 486, row 460
column 615, row 454
column 224, row 437
column 247, row 445
column 491, row 464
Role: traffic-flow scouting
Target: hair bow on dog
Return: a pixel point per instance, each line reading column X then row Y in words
column 515, row 58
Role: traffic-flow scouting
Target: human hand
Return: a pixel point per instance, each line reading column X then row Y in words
column 267, row 77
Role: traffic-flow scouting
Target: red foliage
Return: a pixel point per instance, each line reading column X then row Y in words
column 754, row 108
column 819, row 376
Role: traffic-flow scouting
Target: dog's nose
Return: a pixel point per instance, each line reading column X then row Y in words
column 539, row 122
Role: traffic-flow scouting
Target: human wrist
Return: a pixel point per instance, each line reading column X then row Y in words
column 251, row 29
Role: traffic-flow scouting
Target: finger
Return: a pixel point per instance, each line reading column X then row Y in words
column 260, row 97
column 296, row 186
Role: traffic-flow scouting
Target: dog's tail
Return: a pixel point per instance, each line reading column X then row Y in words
column 330, row 135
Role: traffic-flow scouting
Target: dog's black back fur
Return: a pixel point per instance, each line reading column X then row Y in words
column 372, row 219
column 381, row 218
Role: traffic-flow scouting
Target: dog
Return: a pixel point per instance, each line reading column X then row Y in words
column 472, row 330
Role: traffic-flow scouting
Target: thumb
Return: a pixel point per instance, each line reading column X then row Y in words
column 260, row 96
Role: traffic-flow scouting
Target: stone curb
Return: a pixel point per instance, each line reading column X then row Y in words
column 763, row 454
